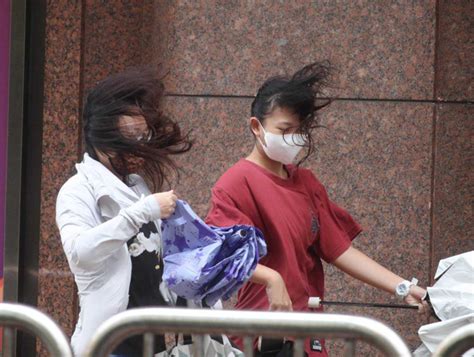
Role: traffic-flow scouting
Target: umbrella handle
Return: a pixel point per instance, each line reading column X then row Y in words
column 316, row 302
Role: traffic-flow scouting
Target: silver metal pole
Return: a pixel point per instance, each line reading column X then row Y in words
column 38, row 324
column 298, row 348
column 349, row 348
column 248, row 346
column 265, row 323
column 457, row 342
column 198, row 345
column 8, row 342
column 148, row 344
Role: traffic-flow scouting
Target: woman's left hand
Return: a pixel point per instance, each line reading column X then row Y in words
column 415, row 297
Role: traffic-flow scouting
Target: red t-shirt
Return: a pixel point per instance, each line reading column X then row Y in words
column 299, row 222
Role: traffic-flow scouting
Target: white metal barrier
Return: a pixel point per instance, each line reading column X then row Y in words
column 457, row 342
column 148, row 321
column 16, row 316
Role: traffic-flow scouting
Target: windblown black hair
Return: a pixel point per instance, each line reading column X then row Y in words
column 136, row 92
column 297, row 94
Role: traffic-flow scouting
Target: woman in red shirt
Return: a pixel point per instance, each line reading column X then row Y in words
column 301, row 225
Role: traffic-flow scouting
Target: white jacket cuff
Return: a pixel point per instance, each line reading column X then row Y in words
column 153, row 207
column 142, row 212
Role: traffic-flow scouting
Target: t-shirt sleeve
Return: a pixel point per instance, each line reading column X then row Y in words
column 224, row 211
column 337, row 228
column 345, row 220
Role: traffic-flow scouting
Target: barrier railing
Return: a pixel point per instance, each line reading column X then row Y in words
column 457, row 342
column 245, row 323
column 16, row 316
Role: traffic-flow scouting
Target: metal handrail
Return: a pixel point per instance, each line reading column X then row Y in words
column 457, row 342
column 35, row 322
column 245, row 323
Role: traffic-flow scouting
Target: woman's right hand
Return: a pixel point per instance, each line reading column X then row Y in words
column 415, row 297
column 278, row 296
column 167, row 202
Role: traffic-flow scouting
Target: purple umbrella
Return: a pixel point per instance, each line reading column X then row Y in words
column 204, row 262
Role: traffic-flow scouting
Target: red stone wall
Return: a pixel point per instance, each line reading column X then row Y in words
column 396, row 152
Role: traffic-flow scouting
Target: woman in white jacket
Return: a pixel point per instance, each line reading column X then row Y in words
column 109, row 219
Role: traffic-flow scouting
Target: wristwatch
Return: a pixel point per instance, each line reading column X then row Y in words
column 403, row 288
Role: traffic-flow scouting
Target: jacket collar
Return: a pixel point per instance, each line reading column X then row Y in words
column 105, row 183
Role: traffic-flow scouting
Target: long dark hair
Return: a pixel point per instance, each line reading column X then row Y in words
column 297, row 93
column 136, row 92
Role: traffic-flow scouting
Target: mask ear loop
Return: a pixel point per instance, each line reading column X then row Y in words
column 264, row 132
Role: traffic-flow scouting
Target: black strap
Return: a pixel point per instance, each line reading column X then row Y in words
column 276, row 348
column 269, row 346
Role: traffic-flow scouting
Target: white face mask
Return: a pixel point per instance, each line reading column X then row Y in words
column 282, row 149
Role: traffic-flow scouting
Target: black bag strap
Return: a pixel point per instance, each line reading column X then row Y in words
column 276, row 348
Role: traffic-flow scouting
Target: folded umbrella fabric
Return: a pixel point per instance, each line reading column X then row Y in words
column 206, row 263
column 452, row 299
column 433, row 334
column 446, row 263
column 453, row 293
